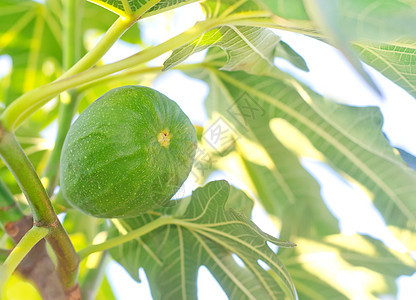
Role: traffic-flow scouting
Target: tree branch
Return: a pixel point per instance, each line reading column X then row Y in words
column 43, row 213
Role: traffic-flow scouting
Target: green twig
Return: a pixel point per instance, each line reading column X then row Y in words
column 161, row 221
column 121, row 76
column 18, row 163
column 27, row 104
column 11, row 119
column 72, row 39
column 68, row 260
column 29, row 240
column 106, row 42
column 141, row 70
column 43, row 214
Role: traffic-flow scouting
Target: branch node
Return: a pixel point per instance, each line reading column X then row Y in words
column 52, row 225
column 73, row 293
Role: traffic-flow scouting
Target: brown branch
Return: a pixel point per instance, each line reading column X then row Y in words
column 43, row 213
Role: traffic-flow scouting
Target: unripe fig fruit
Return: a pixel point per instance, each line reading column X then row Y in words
column 127, row 153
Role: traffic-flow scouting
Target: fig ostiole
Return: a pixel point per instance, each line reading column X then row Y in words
column 127, row 153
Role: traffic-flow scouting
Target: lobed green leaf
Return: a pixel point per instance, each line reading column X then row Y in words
column 395, row 60
column 137, row 8
column 248, row 48
column 206, row 234
column 349, row 137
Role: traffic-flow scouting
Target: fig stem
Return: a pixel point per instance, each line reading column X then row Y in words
column 43, row 214
column 29, row 240
column 121, row 239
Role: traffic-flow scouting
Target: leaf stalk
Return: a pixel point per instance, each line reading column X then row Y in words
column 30, row 239
column 121, row 239
column 28, row 103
